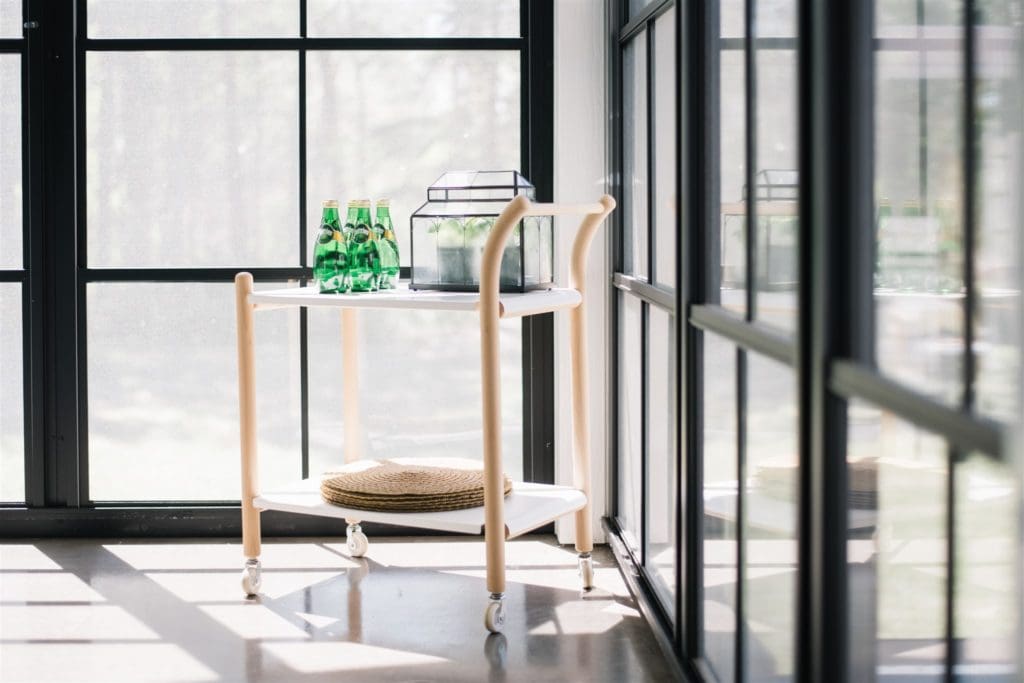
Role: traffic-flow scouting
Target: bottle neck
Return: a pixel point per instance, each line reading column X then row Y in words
column 329, row 216
column 384, row 220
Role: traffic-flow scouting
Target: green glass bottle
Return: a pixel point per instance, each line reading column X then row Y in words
column 330, row 253
column 384, row 230
column 363, row 254
column 350, row 219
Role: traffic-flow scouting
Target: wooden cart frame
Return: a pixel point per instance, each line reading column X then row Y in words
column 529, row 505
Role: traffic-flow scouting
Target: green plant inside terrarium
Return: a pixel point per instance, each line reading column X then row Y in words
column 460, row 244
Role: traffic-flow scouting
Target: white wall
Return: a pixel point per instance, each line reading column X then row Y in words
column 579, row 157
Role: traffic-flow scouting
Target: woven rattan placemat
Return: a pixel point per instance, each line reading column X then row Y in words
column 390, row 486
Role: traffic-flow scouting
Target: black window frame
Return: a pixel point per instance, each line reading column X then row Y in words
column 831, row 351
column 55, row 271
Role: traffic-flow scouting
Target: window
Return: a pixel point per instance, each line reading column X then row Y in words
column 845, row 308
column 208, row 134
column 645, row 509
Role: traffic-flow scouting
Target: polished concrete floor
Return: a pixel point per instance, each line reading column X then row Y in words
column 412, row 610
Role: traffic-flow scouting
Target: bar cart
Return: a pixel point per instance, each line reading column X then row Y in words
column 529, row 505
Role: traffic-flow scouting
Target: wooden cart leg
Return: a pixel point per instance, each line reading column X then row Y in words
column 580, row 390
column 356, row 540
column 581, row 442
column 490, row 381
column 247, row 421
column 581, row 434
column 494, row 489
column 350, row 387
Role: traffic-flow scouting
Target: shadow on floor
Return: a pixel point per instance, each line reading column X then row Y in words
column 411, row 611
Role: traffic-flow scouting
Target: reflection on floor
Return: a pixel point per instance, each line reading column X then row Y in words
column 411, row 610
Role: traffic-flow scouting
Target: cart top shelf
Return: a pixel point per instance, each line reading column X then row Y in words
column 513, row 305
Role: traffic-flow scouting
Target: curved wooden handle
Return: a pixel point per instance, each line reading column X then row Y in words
column 490, row 371
column 490, row 363
column 514, row 211
column 580, row 388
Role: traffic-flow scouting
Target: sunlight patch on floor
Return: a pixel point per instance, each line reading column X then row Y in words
column 45, row 587
column 606, row 579
column 71, row 623
column 431, row 553
column 25, row 557
column 214, row 556
column 225, row 585
column 101, row 663
column 317, row 620
column 320, row 657
column 253, row 621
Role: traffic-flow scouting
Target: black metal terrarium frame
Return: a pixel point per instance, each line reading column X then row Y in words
column 464, row 194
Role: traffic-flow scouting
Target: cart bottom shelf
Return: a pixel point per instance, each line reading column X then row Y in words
column 528, row 506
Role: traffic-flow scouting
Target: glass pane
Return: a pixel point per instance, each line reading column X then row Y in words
column 419, row 387
column 731, row 18
column 662, row 478
column 465, row 117
column 630, row 409
column 733, row 191
column 896, row 18
column 665, row 200
column 896, row 549
column 414, row 18
column 163, row 406
column 919, row 293
column 212, row 176
column 12, row 397
column 720, row 477
column 11, row 19
column 634, row 152
column 999, row 209
column 927, row 18
column 987, row 583
column 770, row 520
column 10, row 162
column 193, row 18
column 775, row 19
column 776, row 166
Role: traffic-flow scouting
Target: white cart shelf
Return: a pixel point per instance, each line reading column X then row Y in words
column 510, row 305
column 529, row 505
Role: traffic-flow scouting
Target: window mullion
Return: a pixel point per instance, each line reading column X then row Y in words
column 970, row 150
column 32, row 89
column 750, row 155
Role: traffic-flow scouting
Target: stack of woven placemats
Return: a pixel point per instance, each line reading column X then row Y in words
column 408, row 485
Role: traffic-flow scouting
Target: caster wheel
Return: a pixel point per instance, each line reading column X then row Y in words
column 357, row 543
column 252, row 578
column 587, row 572
column 494, row 617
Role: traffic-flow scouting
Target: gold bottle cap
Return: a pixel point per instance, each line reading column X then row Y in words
column 330, row 204
column 383, row 203
column 363, row 203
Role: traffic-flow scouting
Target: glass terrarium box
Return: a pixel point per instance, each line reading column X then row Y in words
column 450, row 229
